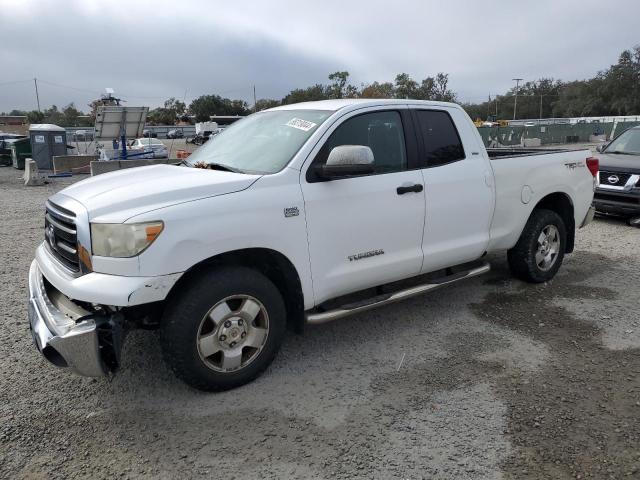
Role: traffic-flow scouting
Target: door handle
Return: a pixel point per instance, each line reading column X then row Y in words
column 409, row 188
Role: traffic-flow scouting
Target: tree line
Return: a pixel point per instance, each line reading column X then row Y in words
column 613, row 91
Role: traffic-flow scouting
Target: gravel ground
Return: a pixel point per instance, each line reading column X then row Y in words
column 490, row 378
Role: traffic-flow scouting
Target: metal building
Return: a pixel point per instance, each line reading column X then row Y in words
column 46, row 141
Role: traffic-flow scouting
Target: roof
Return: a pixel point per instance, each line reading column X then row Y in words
column 339, row 104
column 45, row 127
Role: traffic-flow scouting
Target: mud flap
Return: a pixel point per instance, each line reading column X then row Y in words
column 111, row 335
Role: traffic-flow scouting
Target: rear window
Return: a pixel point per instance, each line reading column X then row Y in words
column 440, row 137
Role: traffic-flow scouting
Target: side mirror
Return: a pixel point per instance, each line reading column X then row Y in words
column 347, row 161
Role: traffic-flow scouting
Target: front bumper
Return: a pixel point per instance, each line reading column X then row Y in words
column 102, row 288
column 615, row 200
column 68, row 337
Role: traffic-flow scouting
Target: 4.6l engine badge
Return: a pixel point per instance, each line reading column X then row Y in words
column 291, row 212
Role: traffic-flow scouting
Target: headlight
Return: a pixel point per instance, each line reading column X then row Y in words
column 123, row 239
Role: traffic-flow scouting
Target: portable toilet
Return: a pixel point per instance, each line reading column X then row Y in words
column 47, row 141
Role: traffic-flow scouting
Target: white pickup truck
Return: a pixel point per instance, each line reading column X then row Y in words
column 296, row 215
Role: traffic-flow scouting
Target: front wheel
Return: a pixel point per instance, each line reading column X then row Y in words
column 223, row 329
column 539, row 252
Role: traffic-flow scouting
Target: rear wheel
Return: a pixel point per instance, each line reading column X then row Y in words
column 224, row 329
column 540, row 250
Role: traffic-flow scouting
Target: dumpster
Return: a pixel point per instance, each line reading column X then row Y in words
column 6, row 139
column 47, row 141
column 20, row 150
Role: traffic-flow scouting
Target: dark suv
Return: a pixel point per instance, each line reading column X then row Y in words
column 618, row 190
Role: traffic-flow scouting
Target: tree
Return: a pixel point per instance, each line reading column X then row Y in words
column 53, row 115
column 176, row 106
column 378, row 90
column 614, row 91
column 34, row 116
column 168, row 115
column 340, row 88
column 265, row 103
column 71, row 116
column 161, row 116
column 405, row 86
column 309, row 94
column 206, row 106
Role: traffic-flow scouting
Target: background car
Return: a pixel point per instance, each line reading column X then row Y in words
column 618, row 189
column 175, row 134
column 149, row 134
column 148, row 148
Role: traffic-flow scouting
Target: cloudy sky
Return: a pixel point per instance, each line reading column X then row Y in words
column 151, row 50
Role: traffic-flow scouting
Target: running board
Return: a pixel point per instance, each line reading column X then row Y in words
column 316, row 318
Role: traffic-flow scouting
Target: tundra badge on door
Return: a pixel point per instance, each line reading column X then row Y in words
column 360, row 256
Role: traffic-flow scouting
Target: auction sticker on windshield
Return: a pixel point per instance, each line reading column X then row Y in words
column 300, row 124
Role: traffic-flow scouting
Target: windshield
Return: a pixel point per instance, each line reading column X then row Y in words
column 261, row 143
column 627, row 143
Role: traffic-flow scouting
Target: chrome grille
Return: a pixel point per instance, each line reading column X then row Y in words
column 61, row 236
column 619, row 179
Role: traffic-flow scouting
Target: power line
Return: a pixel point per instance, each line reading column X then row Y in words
column 70, row 87
column 15, row 81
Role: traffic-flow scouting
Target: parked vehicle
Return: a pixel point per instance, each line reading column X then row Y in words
column 618, row 190
column 175, row 134
column 304, row 214
column 6, row 140
column 149, row 134
column 204, row 138
column 82, row 136
column 148, row 148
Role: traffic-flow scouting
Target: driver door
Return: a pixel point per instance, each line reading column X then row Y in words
column 366, row 230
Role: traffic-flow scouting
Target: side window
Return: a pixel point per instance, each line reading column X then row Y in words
column 380, row 131
column 440, row 138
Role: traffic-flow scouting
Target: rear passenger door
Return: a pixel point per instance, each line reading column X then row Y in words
column 459, row 195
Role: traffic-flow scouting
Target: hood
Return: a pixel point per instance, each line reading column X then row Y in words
column 617, row 162
column 117, row 196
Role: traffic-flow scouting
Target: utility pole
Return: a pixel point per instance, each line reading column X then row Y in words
column 35, row 82
column 255, row 104
column 540, row 106
column 515, row 98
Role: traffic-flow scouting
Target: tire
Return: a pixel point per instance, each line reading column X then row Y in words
column 524, row 257
column 215, row 315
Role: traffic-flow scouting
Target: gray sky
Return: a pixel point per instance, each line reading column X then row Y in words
column 151, row 50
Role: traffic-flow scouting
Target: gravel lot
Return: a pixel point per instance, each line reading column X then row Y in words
column 491, row 378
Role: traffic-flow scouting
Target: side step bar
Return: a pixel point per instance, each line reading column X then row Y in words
column 316, row 318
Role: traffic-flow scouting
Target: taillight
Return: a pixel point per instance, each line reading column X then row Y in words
column 593, row 164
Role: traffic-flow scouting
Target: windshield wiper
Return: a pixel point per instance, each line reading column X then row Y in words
column 224, row 168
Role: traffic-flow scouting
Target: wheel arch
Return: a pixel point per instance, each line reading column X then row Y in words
column 272, row 264
column 561, row 203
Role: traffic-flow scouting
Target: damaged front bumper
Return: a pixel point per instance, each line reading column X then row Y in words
column 67, row 335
